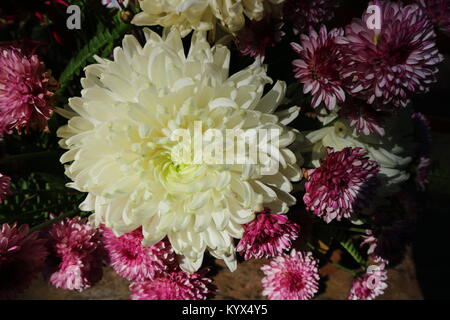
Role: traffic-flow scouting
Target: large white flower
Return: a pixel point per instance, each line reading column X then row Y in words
column 122, row 151
column 201, row 15
column 393, row 152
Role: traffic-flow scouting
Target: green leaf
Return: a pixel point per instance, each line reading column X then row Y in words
column 350, row 247
column 103, row 39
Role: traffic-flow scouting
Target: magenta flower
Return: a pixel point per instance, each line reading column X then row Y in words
column 439, row 13
column 319, row 67
column 302, row 14
column 26, row 91
column 341, row 185
column 370, row 285
column 257, row 36
column 22, row 257
column 5, row 187
column 291, row 277
column 134, row 261
column 176, row 285
column 76, row 254
column 362, row 117
column 268, row 235
column 387, row 66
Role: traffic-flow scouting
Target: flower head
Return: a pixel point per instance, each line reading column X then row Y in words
column 303, row 14
column 387, row 66
column 26, row 91
column 291, row 277
column 370, row 285
column 362, row 117
column 134, row 261
column 5, row 187
column 176, row 285
column 438, row 12
column 76, row 254
column 319, row 67
column 257, row 36
column 341, row 184
column 126, row 153
column 22, row 256
column 187, row 15
column 267, row 236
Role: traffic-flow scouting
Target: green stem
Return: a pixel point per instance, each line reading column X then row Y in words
column 343, row 268
column 28, row 156
column 52, row 221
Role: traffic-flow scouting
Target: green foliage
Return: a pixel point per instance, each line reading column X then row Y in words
column 36, row 196
column 353, row 250
column 104, row 39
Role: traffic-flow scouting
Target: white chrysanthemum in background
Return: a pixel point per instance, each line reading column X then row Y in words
column 201, row 15
column 121, row 151
column 393, row 152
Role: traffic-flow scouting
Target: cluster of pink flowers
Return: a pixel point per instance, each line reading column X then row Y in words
column 26, row 91
column 153, row 269
column 76, row 254
column 371, row 284
column 341, row 184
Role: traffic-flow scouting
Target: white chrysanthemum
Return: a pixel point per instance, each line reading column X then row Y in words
column 200, row 15
column 392, row 152
column 119, row 136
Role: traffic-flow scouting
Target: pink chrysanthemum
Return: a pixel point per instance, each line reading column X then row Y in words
column 291, row 277
column 362, row 117
column 268, row 235
column 439, row 13
column 386, row 66
column 176, row 285
column 320, row 65
column 134, row 261
column 257, row 36
column 422, row 173
column 77, row 254
column 370, row 285
column 26, row 91
column 302, row 14
column 22, row 256
column 341, row 184
column 370, row 240
column 5, row 187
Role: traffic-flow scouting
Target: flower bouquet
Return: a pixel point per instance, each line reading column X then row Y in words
column 158, row 137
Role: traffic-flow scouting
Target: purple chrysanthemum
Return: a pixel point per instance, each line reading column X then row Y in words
column 134, row 261
column 341, row 184
column 439, row 13
column 5, row 187
column 319, row 67
column 176, row 285
column 268, row 235
column 257, row 36
column 76, row 254
column 362, row 117
column 22, row 256
column 387, row 66
column 302, row 14
column 370, row 285
column 291, row 277
column 26, row 91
